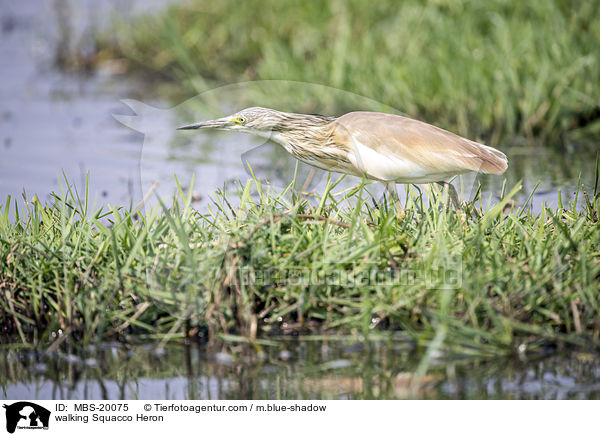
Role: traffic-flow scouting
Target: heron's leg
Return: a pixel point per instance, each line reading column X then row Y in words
column 452, row 194
column 391, row 188
column 309, row 179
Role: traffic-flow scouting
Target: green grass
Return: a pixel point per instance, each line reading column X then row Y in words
column 504, row 71
column 261, row 262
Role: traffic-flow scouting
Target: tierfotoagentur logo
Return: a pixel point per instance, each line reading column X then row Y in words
column 447, row 275
column 24, row 415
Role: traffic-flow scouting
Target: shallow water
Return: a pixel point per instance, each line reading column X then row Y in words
column 289, row 369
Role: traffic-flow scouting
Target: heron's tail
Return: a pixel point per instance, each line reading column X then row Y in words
column 493, row 161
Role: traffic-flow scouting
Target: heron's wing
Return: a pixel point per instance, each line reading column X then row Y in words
column 426, row 146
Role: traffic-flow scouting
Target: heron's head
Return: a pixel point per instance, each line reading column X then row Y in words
column 253, row 120
column 262, row 121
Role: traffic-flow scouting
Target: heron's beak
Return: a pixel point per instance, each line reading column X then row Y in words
column 220, row 123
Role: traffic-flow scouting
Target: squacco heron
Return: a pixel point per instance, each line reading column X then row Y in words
column 384, row 147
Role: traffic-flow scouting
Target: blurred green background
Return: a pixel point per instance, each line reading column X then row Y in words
column 503, row 71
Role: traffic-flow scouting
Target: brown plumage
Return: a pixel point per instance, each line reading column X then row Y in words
column 430, row 147
column 385, row 147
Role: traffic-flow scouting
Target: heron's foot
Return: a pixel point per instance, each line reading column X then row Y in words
column 452, row 196
column 400, row 213
column 458, row 206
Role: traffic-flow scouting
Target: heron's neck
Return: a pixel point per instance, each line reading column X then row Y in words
column 297, row 132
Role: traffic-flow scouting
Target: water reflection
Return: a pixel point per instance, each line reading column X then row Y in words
column 288, row 369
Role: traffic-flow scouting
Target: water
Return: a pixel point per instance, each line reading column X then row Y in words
column 289, row 369
column 57, row 125
column 53, row 121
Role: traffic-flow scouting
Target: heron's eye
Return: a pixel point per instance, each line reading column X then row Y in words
column 242, row 120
